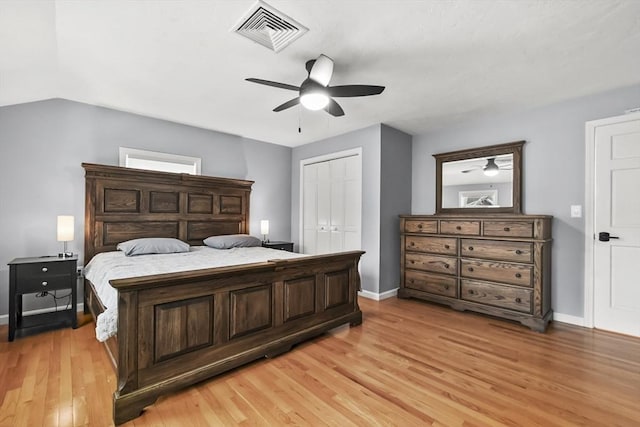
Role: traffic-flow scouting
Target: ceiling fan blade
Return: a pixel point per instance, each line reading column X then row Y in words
column 355, row 90
column 288, row 104
column 334, row 109
column 321, row 70
column 274, row 84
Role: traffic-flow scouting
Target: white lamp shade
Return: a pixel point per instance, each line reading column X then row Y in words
column 65, row 228
column 264, row 226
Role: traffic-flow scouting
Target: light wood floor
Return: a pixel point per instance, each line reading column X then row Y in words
column 409, row 363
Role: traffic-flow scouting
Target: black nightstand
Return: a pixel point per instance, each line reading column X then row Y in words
column 35, row 275
column 283, row 246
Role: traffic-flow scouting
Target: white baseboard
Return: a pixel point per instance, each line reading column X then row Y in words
column 379, row 297
column 4, row 319
column 567, row 318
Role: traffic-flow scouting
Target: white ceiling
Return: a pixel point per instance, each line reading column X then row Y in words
column 442, row 62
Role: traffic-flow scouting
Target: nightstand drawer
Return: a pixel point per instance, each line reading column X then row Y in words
column 44, row 269
column 33, row 284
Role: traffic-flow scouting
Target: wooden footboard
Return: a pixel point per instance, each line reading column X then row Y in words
column 178, row 329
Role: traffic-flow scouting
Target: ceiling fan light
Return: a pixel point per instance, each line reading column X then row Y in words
column 491, row 169
column 314, row 101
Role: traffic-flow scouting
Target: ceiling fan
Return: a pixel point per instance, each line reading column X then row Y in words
column 315, row 93
column 492, row 168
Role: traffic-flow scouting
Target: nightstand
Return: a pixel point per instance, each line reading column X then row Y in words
column 283, row 246
column 36, row 275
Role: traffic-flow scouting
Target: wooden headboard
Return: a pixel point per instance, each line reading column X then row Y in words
column 124, row 203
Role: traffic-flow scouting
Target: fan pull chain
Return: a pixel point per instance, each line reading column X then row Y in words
column 299, row 125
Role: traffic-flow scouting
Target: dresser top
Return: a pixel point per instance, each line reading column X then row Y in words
column 476, row 216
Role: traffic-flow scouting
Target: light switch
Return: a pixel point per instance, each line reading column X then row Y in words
column 576, row 211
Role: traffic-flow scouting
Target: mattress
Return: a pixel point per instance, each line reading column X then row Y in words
column 115, row 265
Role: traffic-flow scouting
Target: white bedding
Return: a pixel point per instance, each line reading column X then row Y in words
column 115, row 265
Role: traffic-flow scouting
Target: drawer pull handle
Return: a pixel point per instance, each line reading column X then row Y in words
column 470, row 291
column 412, row 244
column 446, row 246
column 412, row 262
column 470, row 248
column 518, row 252
column 45, row 269
column 518, row 275
column 411, row 281
column 470, row 268
column 446, row 266
column 507, row 229
column 419, row 225
column 44, row 283
column 518, row 300
column 446, row 287
column 458, row 227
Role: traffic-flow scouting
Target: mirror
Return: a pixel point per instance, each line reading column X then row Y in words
column 480, row 180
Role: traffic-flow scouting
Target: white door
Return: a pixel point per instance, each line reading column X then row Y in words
column 617, row 212
column 331, row 209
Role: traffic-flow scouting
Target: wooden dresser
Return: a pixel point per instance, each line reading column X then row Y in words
column 493, row 264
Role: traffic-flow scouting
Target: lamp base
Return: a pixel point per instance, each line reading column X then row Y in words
column 65, row 255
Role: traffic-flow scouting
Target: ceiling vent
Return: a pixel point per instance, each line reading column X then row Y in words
column 269, row 27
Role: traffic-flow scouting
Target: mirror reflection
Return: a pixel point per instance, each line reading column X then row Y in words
column 482, row 182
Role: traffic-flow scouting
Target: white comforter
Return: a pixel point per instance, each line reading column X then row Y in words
column 115, row 265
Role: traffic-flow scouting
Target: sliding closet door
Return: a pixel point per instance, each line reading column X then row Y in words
column 331, row 209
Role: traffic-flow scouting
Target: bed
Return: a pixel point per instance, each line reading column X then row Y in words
column 176, row 329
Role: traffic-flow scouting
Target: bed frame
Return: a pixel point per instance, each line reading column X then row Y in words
column 177, row 329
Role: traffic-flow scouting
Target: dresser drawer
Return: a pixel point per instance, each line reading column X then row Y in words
column 498, row 250
column 515, row 274
column 414, row 226
column 517, row 299
column 508, row 228
column 431, row 283
column 469, row 228
column 34, row 284
column 436, row 245
column 433, row 263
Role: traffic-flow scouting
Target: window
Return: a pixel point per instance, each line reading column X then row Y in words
column 163, row 162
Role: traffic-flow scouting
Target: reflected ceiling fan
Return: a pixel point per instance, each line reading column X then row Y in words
column 493, row 166
column 315, row 93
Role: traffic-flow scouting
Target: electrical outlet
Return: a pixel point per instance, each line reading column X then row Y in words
column 80, row 271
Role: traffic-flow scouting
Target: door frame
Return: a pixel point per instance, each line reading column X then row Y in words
column 318, row 159
column 589, row 211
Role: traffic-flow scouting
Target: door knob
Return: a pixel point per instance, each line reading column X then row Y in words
column 604, row 236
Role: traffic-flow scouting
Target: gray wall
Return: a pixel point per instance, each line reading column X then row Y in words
column 554, row 165
column 42, row 145
column 395, row 199
column 369, row 140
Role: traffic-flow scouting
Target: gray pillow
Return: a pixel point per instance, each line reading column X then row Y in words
column 152, row 245
column 232, row 241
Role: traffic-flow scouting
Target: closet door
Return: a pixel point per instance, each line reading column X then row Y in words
column 332, row 205
column 346, row 184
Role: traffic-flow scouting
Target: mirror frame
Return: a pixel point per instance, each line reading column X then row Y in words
column 514, row 148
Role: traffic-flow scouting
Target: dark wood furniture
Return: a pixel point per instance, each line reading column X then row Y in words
column 37, row 275
column 513, row 148
column 275, row 244
column 177, row 329
column 493, row 264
